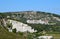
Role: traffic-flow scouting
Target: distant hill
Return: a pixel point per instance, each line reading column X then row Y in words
column 40, row 21
column 32, row 15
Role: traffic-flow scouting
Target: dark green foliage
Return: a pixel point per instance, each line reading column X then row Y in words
column 14, row 30
column 56, row 15
column 9, row 25
column 47, row 28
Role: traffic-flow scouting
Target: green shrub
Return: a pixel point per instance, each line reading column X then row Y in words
column 14, row 30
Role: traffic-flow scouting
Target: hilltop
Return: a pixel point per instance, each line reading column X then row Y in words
column 33, row 15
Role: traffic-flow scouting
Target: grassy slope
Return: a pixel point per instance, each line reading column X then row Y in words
column 8, row 35
column 56, row 36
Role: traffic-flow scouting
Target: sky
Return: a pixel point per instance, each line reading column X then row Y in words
column 52, row 6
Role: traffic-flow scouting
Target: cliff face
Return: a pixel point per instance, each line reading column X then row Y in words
column 21, row 27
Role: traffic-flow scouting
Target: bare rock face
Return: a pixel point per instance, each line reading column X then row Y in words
column 21, row 27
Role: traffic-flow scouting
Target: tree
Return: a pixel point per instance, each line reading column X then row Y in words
column 14, row 30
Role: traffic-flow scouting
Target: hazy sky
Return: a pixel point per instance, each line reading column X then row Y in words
column 35, row 5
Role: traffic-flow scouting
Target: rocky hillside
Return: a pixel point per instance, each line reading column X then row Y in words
column 23, row 16
column 45, row 23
